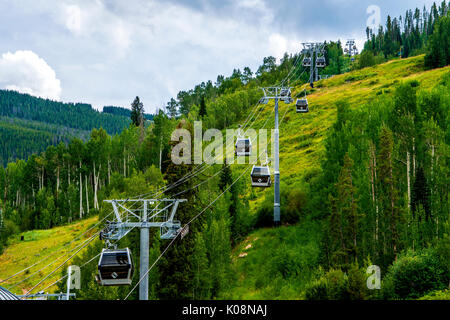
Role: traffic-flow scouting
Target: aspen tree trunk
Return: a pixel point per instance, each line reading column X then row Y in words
column 414, row 158
column 109, row 170
column 408, row 178
column 373, row 165
column 95, row 188
column 124, row 164
column 81, row 195
column 160, row 154
column 128, row 165
column 32, row 192
column 394, row 222
column 87, row 193
column 57, row 182
column 96, row 181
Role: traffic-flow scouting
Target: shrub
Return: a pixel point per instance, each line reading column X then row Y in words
column 438, row 54
column 332, row 286
column 367, row 59
column 437, row 295
column 414, row 275
column 357, row 287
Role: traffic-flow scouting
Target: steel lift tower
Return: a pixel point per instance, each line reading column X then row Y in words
column 277, row 94
column 350, row 48
column 315, row 50
column 153, row 213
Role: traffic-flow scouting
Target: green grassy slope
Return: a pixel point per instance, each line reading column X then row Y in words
column 301, row 148
column 38, row 244
column 302, row 136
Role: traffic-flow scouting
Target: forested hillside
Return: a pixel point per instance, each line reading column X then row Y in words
column 29, row 125
column 119, row 111
column 364, row 181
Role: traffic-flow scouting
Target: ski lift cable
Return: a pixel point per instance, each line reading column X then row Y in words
column 55, row 260
column 54, row 253
column 88, row 241
column 173, row 240
column 293, row 68
column 199, row 170
column 167, row 246
column 211, row 177
column 62, row 264
column 193, row 173
column 181, row 181
column 65, row 276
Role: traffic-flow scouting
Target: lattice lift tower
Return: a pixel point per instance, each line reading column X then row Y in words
column 315, row 60
column 153, row 213
column 350, row 48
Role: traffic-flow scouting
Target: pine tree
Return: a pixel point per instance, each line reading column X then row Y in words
column 421, row 194
column 388, row 192
column 335, row 232
column 344, row 218
column 171, row 107
column 177, row 274
column 202, row 111
column 226, row 178
column 153, row 275
column 201, row 287
column 137, row 112
column 348, row 206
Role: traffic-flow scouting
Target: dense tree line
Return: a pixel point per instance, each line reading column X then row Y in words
column 72, row 115
column 438, row 54
column 406, row 35
column 124, row 112
column 21, row 138
column 29, row 125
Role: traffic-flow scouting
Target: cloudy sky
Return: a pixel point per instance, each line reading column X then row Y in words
column 105, row 52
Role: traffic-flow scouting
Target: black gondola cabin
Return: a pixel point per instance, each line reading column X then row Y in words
column 321, row 62
column 243, row 147
column 261, row 177
column 302, row 106
column 306, row 62
column 115, row 267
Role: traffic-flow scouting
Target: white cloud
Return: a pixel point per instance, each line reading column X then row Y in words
column 92, row 20
column 25, row 72
column 108, row 51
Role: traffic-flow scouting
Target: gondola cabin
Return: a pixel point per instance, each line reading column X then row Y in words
column 302, row 106
column 243, row 147
column 321, row 62
column 115, row 267
column 286, row 95
column 306, row 62
column 261, row 177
